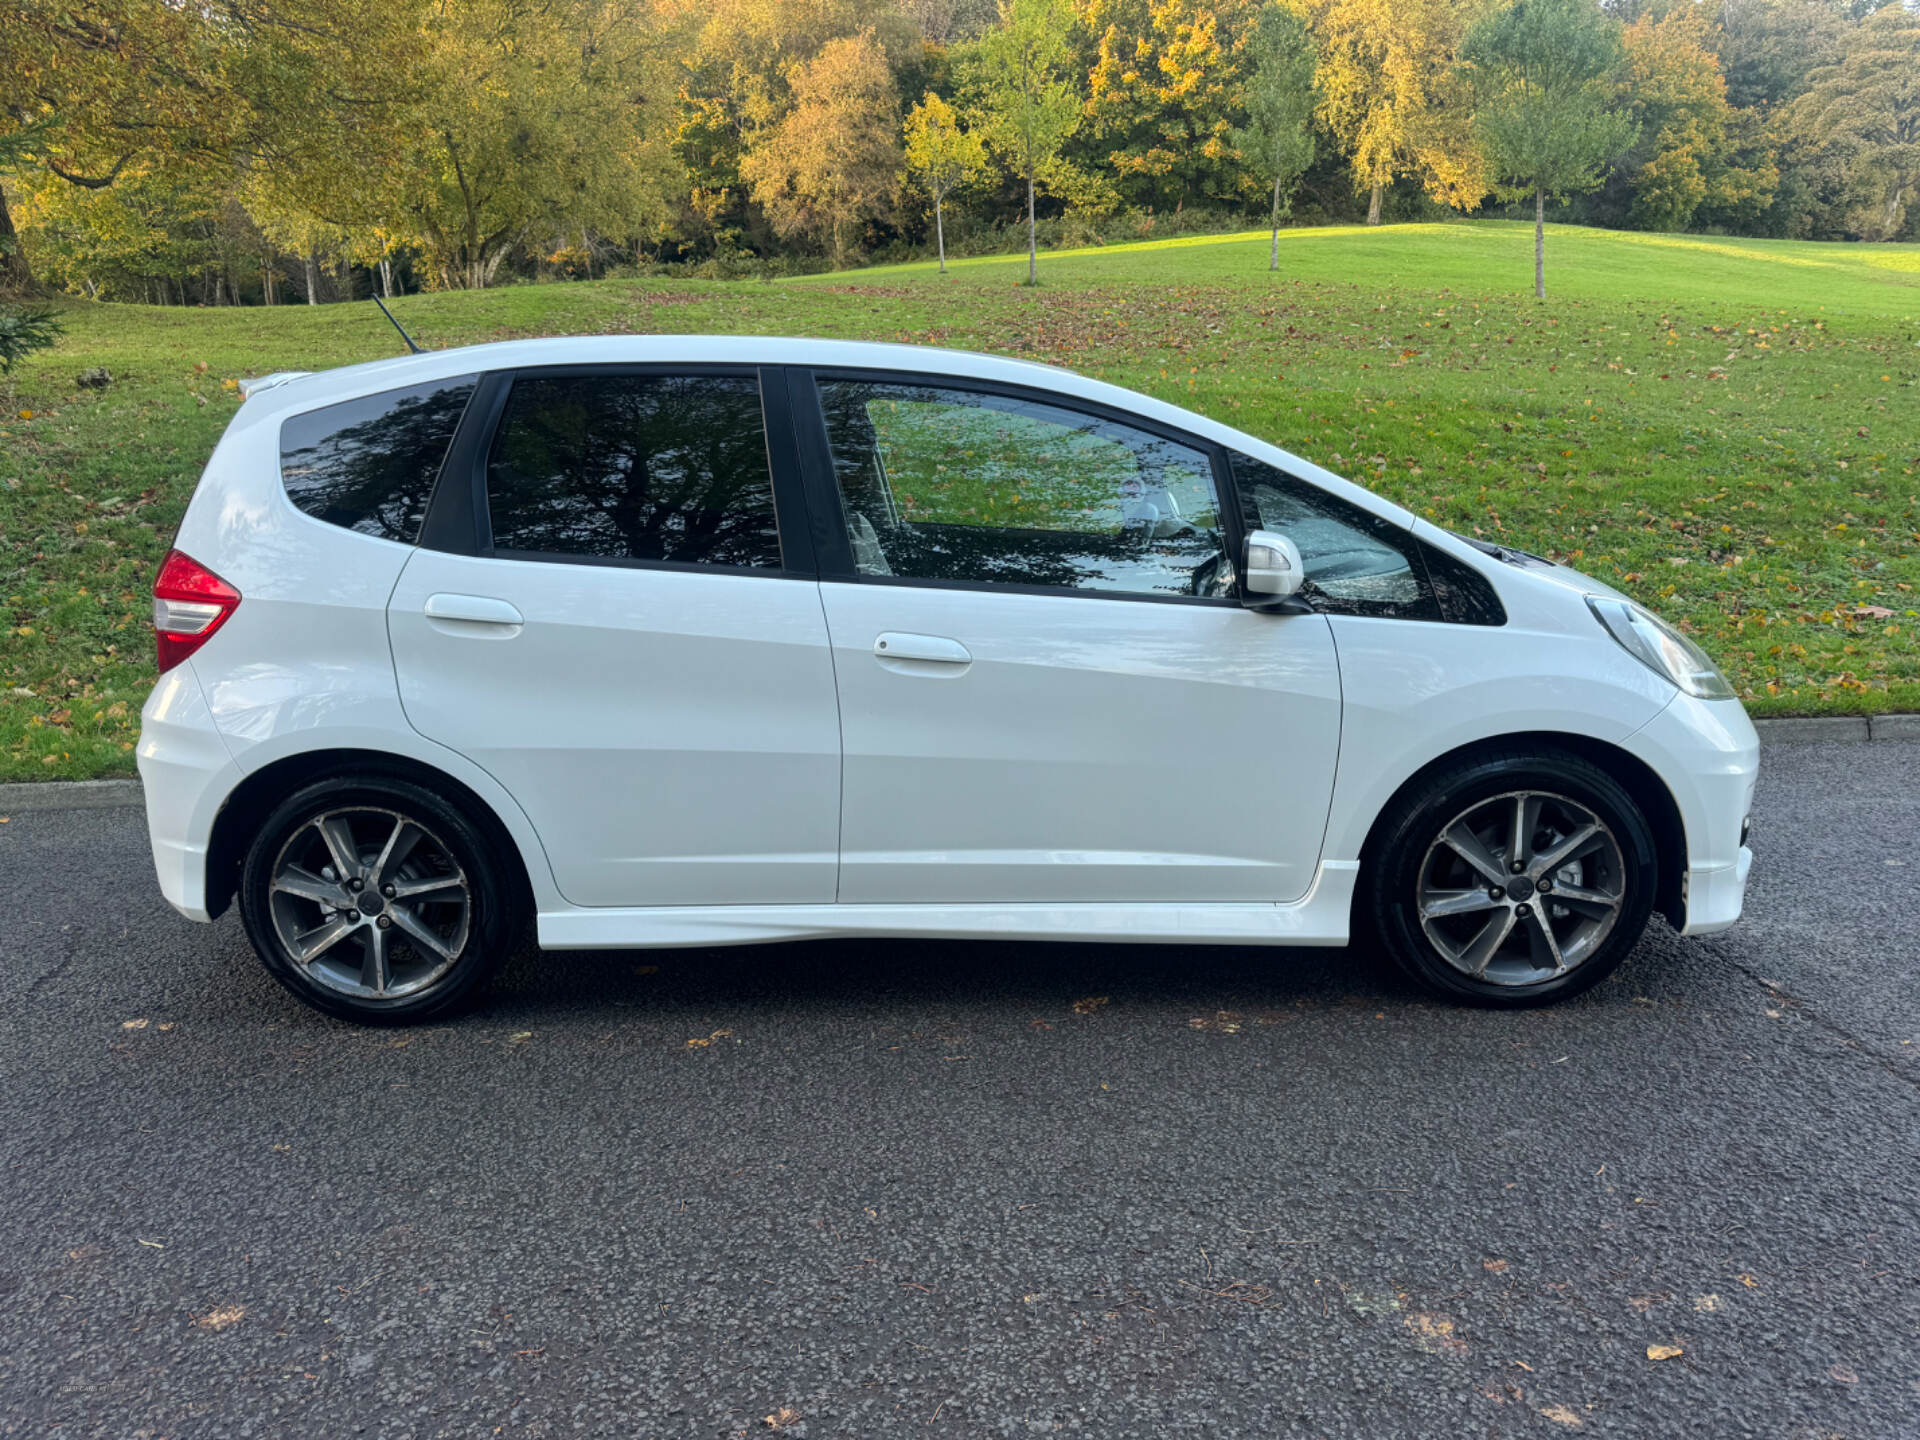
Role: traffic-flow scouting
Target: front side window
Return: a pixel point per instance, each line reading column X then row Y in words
column 634, row 467
column 1357, row 564
column 958, row 485
column 370, row 464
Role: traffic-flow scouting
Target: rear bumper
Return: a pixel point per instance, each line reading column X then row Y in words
column 187, row 773
column 1709, row 756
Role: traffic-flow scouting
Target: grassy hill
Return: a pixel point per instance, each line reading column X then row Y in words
column 1728, row 429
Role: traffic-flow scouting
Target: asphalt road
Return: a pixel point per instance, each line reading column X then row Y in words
column 973, row 1190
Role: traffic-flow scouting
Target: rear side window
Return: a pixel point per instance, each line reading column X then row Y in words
column 369, row 464
column 634, row 467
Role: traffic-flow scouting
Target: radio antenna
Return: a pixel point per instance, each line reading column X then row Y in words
column 397, row 325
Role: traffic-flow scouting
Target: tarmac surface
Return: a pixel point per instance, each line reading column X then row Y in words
column 969, row 1189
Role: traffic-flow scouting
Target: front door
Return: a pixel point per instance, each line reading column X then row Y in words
column 1046, row 693
column 627, row 652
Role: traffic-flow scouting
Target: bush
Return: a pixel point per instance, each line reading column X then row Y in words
column 24, row 331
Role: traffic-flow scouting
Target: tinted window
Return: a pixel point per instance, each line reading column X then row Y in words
column 634, row 467
column 1357, row 564
column 369, row 464
column 948, row 484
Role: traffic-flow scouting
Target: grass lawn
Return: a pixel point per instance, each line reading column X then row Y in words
column 1727, row 429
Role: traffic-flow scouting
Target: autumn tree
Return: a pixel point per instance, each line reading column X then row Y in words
column 1277, row 141
column 1685, row 157
column 1023, row 75
column 943, row 156
column 1393, row 95
column 834, row 162
column 93, row 87
column 1163, row 91
column 1545, row 116
column 1865, row 109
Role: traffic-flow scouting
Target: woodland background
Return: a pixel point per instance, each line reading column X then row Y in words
column 250, row 151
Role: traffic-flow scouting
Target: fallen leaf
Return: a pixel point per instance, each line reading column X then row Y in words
column 1433, row 1333
column 1496, row 1267
column 1706, row 1304
column 783, row 1417
column 1664, row 1352
column 221, row 1318
column 151, row 1244
column 1089, row 1005
column 1845, row 1374
column 133, row 1024
column 1874, row 612
column 520, row 1037
column 1561, row 1415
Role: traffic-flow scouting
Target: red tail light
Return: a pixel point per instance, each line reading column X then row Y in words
column 190, row 602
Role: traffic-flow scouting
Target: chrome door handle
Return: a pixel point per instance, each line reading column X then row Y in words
column 473, row 610
column 934, row 649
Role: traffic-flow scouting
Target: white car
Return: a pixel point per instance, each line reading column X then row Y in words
column 668, row 641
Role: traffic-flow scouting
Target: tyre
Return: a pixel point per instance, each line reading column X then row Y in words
column 374, row 899
column 1513, row 879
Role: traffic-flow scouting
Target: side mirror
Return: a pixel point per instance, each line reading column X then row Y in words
column 1273, row 574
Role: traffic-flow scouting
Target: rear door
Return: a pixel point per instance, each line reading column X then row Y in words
column 1048, row 692
column 615, row 612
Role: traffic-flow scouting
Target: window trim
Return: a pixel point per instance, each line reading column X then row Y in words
column 835, row 550
column 458, row 520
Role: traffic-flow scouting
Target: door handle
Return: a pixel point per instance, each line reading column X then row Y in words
column 473, row 610
column 934, row 649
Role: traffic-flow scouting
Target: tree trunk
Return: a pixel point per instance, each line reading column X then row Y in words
column 15, row 273
column 1033, row 245
column 1273, row 260
column 1539, row 244
column 386, row 275
column 1892, row 217
column 313, row 278
column 940, row 233
column 1373, row 206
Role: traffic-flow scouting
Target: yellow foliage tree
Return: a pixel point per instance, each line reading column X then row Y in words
column 834, row 161
column 943, row 156
column 1392, row 92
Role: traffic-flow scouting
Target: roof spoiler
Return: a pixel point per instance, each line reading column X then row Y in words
column 251, row 388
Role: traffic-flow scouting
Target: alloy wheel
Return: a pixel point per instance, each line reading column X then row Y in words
column 370, row 903
column 1521, row 888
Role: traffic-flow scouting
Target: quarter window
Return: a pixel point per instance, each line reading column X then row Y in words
column 370, row 464
column 634, row 467
column 950, row 484
column 1357, row 564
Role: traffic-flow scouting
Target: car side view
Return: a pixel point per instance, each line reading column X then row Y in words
column 667, row 641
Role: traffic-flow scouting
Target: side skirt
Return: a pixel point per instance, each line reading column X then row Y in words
column 1319, row 918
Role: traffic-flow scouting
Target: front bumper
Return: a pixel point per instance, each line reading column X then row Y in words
column 187, row 773
column 1709, row 756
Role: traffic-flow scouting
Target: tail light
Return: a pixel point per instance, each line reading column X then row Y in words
column 190, row 602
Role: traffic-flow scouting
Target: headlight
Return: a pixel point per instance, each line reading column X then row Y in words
column 1661, row 648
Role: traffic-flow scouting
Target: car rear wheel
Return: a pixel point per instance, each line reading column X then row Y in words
column 373, row 899
column 1514, row 880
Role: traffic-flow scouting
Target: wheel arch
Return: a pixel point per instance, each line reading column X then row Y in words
column 1634, row 775
column 249, row 803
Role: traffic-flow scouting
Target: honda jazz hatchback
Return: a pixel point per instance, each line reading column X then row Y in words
column 692, row 641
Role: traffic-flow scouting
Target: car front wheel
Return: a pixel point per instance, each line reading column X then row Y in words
column 1514, row 880
column 373, row 899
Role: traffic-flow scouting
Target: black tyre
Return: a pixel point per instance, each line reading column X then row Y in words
column 374, row 899
column 1513, row 879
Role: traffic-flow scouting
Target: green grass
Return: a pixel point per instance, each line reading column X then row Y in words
column 1727, row 429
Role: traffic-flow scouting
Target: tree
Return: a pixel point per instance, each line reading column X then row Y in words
column 1162, row 91
column 1392, row 93
column 1032, row 105
column 91, row 86
column 835, row 160
column 1865, row 108
column 1670, row 85
column 1277, row 142
column 943, row 156
column 1544, row 114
